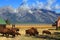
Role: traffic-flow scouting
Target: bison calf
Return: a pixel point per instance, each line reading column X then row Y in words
column 46, row 32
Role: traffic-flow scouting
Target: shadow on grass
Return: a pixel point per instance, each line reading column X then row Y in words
column 48, row 37
column 6, row 36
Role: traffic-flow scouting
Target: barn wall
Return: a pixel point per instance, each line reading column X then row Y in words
column 2, row 26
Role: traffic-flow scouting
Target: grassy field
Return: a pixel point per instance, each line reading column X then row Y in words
column 40, row 28
column 30, row 25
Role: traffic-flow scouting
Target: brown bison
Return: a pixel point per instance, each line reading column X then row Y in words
column 32, row 31
column 12, row 32
column 35, row 30
column 17, row 33
column 46, row 32
column 6, row 31
column 16, row 29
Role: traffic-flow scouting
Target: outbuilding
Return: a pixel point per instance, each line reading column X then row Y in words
column 2, row 23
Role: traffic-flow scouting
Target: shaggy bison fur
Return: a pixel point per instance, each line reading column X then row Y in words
column 6, row 31
column 32, row 31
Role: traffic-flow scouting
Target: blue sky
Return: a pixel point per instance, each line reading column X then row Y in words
column 14, row 3
column 55, row 4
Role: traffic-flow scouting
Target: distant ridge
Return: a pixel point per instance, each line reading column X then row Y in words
column 28, row 15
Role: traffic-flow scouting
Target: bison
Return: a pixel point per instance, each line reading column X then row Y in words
column 32, row 31
column 16, row 29
column 35, row 30
column 46, row 32
column 17, row 33
column 12, row 32
column 7, row 32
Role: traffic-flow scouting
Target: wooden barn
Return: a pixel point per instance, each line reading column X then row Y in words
column 58, row 21
column 2, row 23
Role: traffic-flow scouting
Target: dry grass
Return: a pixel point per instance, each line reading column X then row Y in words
column 40, row 27
column 31, row 25
column 24, row 27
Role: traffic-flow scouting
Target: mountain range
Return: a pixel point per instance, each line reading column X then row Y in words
column 28, row 15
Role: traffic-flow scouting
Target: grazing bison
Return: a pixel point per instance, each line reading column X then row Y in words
column 17, row 33
column 7, row 32
column 35, row 30
column 32, row 31
column 15, row 29
column 46, row 32
column 12, row 32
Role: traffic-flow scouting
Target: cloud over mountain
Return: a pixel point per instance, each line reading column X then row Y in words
column 45, row 5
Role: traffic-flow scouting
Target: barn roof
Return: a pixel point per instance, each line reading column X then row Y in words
column 2, row 21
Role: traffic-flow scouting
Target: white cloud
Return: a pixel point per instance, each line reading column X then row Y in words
column 25, row 1
column 40, row 5
column 33, row 5
column 44, row 5
column 57, row 6
column 49, row 4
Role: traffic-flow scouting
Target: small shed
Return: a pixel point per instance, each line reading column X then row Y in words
column 2, row 23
